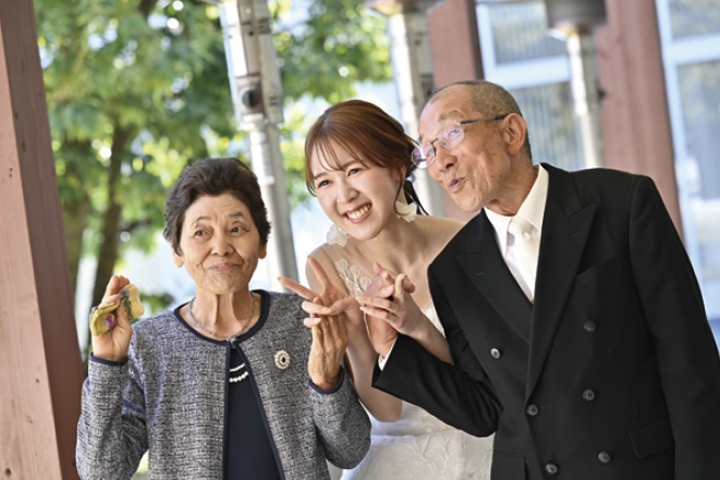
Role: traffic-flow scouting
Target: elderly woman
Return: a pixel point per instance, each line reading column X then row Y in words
column 230, row 384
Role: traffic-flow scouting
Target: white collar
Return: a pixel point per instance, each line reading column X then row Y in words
column 532, row 210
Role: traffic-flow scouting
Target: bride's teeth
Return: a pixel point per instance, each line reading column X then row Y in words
column 358, row 213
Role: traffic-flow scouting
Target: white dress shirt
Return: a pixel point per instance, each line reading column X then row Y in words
column 532, row 210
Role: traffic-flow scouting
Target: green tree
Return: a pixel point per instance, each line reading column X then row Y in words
column 136, row 89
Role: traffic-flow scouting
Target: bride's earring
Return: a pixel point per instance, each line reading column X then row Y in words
column 406, row 211
column 335, row 235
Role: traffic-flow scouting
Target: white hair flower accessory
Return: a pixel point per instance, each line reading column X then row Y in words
column 335, row 235
column 406, row 211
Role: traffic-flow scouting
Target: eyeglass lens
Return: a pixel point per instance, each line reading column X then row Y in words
column 449, row 137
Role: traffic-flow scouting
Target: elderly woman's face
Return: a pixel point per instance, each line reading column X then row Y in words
column 220, row 244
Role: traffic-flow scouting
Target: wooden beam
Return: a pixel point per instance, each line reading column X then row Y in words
column 456, row 56
column 40, row 366
column 455, row 42
column 634, row 115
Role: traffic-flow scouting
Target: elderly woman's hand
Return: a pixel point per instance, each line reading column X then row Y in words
column 330, row 341
column 114, row 344
column 337, row 303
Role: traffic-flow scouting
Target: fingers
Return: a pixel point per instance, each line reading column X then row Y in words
column 109, row 299
column 315, row 309
column 317, row 337
column 116, row 283
column 387, row 292
column 311, row 322
column 408, row 286
column 389, row 277
column 344, row 305
column 330, row 341
column 121, row 314
column 293, row 286
column 378, row 307
column 379, row 269
column 399, row 285
column 334, row 333
column 387, row 286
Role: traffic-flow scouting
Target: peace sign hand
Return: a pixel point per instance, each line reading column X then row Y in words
column 330, row 341
column 337, row 302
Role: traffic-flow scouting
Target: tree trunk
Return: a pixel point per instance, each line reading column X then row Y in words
column 75, row 214
column 111, row 218
column 75, row 210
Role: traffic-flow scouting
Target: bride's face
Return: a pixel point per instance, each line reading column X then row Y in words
column 359, row 196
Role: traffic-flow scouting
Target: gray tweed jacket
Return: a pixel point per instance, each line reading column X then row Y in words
column 169, row 397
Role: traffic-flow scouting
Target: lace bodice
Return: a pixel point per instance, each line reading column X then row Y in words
column 418, row 446
column 355, row 281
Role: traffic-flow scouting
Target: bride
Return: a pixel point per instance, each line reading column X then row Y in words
column 358, row 164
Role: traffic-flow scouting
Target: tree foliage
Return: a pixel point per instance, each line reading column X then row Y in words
column 137, row 89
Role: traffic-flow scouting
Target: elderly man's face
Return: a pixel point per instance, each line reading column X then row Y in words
column 475, row 172
column 220, row 244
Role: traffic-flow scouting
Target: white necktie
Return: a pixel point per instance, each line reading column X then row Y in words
column 525, row 249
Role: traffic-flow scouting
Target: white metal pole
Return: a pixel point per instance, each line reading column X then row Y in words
column 257, row 97
column 584, row 81
column 412, row 65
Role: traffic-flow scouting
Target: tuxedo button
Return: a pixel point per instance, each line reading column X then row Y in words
column 604, row 457
column 532, row 410
column 495, row 353
column 589, row 395
column 551, row 468
column 589, row 326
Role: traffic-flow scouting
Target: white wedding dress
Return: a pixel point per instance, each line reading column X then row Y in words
column 418, row 446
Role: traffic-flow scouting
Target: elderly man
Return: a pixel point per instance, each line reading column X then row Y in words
column 575, row 321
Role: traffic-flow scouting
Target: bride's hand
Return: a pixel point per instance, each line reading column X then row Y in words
column 386, row 304
column 396, row 307
column 396, row 311
column 384, row 283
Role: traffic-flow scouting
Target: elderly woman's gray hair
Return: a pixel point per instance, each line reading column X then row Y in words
column 214, row 177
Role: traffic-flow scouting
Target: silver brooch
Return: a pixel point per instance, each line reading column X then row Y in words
column 282, row 359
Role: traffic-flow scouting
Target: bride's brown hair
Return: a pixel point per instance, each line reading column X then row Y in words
column 369, row 135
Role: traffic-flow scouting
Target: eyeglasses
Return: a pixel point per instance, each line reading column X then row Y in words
column 450, row 136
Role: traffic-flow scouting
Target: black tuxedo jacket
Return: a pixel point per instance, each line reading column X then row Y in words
column 613, row 373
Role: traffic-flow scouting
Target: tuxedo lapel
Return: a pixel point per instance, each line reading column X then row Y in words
column 484, row 266
column 565, row 230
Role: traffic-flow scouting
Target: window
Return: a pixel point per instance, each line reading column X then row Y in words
column 690, row 37
column 519, row 54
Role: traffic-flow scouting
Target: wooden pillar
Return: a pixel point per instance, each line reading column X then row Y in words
column 456, row 56
column 634, row 116
column 455, row 42
column 40, row 366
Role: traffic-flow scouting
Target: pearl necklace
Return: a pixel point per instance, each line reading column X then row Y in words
column 217, row 335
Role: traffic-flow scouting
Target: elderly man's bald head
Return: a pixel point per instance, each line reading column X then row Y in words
column 488, row 98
